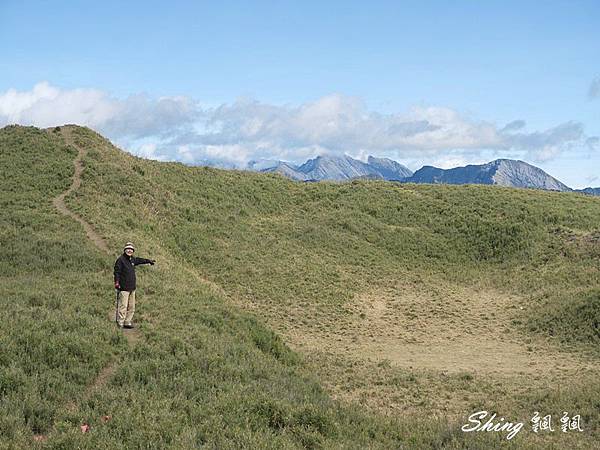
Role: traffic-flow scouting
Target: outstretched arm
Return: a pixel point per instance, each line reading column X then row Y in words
column 138, row 261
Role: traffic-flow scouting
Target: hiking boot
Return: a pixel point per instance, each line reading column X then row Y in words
column 120, row 325
column 128, row 325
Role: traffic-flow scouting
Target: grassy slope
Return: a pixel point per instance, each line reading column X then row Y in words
column 53, row 336
column 202, row 374
column 206, row 372
column 315, row 245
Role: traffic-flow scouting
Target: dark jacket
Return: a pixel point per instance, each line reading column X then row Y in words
column 125, row 271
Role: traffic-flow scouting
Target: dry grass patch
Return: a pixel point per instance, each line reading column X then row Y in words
column 419, row 347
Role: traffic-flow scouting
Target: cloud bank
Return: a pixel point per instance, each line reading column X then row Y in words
column 136, row 116
column 233, row 135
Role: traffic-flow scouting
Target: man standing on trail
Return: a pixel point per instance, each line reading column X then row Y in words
column 125, row 284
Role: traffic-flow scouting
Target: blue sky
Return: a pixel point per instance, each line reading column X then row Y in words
column 421, row 82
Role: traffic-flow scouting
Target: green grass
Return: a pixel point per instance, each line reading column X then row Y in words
column 207, row 373
column 265, row 237
column 54, row 338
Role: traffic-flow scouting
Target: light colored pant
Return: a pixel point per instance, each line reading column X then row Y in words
column 125, row 307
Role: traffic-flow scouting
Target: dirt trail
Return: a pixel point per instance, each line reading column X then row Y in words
column 132, row 335
column 59, row 200
column 59, row 203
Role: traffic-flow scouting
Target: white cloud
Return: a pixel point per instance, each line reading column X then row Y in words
column 546, row 145
column 136, row 116
column 231, row 135
column 448, row 162
column 148, row 150
column 46, row 106
column 592, row 143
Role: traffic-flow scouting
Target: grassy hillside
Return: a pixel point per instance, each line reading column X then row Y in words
column 276, row 241
column 53, row 335
column 352, row 276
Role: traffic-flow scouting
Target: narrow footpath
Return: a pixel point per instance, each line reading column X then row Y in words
column 132, row 335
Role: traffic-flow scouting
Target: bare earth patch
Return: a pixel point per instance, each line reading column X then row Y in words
column 427, row 347
column 454, row 330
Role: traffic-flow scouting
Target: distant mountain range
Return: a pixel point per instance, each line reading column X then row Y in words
column 342, row 168
column 502, row 172
column 590, row 191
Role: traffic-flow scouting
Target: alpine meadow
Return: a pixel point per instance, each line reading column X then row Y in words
column 283, row 314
